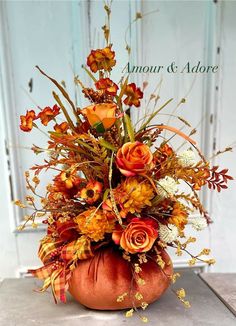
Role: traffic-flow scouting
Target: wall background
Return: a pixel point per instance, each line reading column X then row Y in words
column 57, row 36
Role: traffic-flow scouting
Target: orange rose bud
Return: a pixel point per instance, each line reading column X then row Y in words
column 134, row 94
column 27, row 121
column 101, row 59
column 134, row 158
column 48, row 114
column 101, row 116
column 107, row 86
column 139, row 235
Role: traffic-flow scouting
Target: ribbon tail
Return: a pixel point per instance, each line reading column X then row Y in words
column 45, row 286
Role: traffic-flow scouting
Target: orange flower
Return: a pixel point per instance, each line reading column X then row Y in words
column 134, row 158
column 134, row 94
column 204, row 174
column 64, row 187
column 139, row 235
column 94, row 223
column 101, row 59
column 70, row 178
column 101, row 116
column 27, row 120
column 91, row 192
column 107, row 86
column 133, row 195
column 178, row 216
column 48, row 114
column 166, row 150
column 163, row 158
column 61, row 128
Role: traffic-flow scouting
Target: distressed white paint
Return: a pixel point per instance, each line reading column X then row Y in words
column 173, row 34
column 58, row 35
column 223, row 239
column 35, row 33
column 8, row 253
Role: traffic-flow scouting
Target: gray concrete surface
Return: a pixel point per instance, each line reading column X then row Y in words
column 224, row 285
column 20, row 306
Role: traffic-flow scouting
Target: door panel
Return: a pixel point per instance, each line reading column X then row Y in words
column 58, row 36
column 35, row 33
column 223, row 238
column 175, row 35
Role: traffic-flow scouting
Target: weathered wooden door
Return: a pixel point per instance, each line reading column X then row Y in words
column 57, row 36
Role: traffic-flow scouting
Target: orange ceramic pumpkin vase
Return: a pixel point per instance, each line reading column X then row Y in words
column 97, row 282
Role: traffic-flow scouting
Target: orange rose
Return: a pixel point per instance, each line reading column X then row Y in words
column 139, row 235
column 101, row 116
column 134, row 158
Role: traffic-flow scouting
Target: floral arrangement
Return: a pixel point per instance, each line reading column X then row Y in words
column 115, row 184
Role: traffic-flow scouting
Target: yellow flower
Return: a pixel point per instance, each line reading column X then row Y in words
column 140, row 281
column 19, row 203
column 181, row 293
column 138, row 296
column 121, row 297
column 133, row 195
column 129, row 313
column 95, row 223
column 137, row 268
column 144, row 305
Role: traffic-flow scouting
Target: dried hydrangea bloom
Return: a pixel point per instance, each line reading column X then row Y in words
column 166, row 187
column 199, row 223
column 168, row 233
column 187, row 158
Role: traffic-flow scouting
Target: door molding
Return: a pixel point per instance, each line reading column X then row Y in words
column 15, row 187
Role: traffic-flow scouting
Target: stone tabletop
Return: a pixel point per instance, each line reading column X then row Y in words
column 224, row 285
column 20, row 306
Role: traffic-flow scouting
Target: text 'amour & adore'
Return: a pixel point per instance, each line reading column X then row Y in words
column 172, row 68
